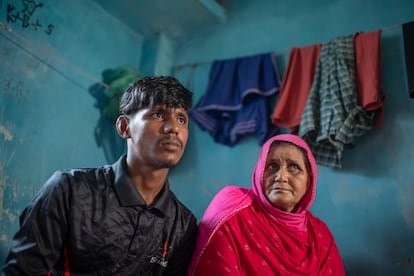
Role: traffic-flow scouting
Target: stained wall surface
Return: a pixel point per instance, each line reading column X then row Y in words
column 51, row 53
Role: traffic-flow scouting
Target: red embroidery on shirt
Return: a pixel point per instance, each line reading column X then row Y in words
column 165, row 250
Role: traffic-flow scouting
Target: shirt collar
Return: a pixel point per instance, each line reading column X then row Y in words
column 128, row 196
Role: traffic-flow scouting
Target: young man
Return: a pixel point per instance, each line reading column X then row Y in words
column 120, row 219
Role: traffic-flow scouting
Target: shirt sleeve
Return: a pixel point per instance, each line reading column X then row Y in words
column 38, row 243
column 220, row 256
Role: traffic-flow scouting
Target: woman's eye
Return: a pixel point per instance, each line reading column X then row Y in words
column 294, row 167
column 273, row 166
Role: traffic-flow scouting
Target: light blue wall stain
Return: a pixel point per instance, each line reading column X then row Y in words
column 47, row 115
column 47, row 120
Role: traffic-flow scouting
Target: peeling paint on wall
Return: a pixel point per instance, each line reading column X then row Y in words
column 407, row 206
column 3, row 237
column 2, row 186
column 10, row 215
column 7, row 134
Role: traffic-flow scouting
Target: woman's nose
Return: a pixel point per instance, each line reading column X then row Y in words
column 281, row 174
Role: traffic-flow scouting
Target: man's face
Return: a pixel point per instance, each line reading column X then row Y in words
column 158, row 136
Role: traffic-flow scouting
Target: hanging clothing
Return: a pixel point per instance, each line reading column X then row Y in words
column 242, row 233
column 368, row 74
column 296, row 84
column 408, row 36
column 235, row 102
column 332, row 118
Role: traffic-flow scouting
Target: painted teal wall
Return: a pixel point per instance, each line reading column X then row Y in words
column 47, row 115
column 369, row 203
column 48, row 118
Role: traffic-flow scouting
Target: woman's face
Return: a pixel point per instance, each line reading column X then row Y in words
column 285, row 177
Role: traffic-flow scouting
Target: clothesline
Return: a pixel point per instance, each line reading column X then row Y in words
column 351, row 89
column 9, row 30
column 195, row 64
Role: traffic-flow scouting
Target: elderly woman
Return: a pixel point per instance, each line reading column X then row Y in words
column 268, row 229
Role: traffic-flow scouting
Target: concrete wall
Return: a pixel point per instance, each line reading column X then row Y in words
column 369, row 203
column 48, row 118
column 49, row 57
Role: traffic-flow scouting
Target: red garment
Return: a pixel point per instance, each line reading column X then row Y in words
column 241, row 233
column 368, row 72
column 250, row 244
column 299, row 74
column 296, row 85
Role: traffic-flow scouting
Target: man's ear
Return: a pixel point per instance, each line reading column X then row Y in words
column 122, row 126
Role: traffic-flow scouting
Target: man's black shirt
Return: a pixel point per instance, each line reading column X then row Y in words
column 94, row 222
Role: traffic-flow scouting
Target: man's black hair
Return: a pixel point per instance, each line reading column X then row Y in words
column 150, row 91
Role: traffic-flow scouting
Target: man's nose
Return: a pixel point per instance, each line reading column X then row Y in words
column 170, row 126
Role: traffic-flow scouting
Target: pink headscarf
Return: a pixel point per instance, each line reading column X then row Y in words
column 231, row 199
column 297, row 219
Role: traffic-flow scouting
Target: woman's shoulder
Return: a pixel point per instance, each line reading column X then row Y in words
column 231, row 196
column 227, row 201
column 317, row 223
column 232, row 190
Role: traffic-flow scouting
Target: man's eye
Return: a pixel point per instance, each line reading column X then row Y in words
column 157, row 115
column 181, row 120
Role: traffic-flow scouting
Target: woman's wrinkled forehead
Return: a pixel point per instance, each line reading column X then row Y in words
column 291, row 139
column 278, row 143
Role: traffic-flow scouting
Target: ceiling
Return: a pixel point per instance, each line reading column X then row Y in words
column 176, row 18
